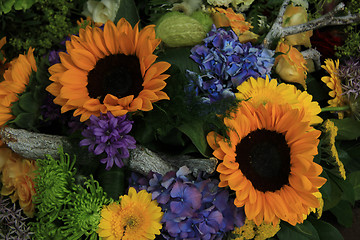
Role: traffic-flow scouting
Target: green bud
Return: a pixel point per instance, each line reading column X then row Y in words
column 176, row 29
column 204, row 19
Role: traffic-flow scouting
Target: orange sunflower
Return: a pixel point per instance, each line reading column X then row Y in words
column 267, row 159
column 109, row 70
column 16, row 77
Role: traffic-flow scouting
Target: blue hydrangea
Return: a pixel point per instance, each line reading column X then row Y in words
column 224, row 64
column 193, row 208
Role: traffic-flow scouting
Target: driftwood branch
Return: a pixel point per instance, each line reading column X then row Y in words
column 329, row 19
column 36, row 145
column 313, row 54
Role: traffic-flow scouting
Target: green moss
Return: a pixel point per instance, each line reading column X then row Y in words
column 352, row 42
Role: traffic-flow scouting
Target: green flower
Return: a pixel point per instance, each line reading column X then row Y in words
column 53, row 183
column 82, row 215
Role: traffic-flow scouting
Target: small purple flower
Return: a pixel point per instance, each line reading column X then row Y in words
column 109, row 134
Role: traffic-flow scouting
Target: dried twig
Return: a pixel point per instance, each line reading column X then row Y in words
column 329, row 19
column 313, row 54
column 36, row 145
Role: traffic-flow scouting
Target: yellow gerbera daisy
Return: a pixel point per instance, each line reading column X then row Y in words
column 16, row 77
column 261, row 91
column 334, row 83
column 109, row 70
column 267, row 159
column 136, row 217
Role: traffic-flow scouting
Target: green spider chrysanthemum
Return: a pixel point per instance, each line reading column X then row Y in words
column 53, row 183
column 81, row 216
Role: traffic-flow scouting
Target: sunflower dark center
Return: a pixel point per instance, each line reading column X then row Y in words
column 117, row 74
column 264, row 158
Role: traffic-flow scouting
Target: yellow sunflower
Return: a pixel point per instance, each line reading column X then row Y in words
column 16, row 77
column 261, row 91
column 267, row 159
column 136, row 217
column 109, row 70
column 334, row 83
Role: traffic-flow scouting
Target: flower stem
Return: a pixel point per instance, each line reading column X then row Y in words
column 336, row 109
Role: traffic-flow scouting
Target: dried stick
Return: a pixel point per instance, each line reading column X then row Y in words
column 329, row 19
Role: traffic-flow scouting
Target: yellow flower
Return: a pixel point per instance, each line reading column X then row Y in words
column 136, row 217
column 17, row 179
column 329, row 152
column 294, row 16
column 16, row 77
column 227, row 17
column 109, row 70
column 291, row 65
column 261, row 91
column 267, row 159
column 334, row 83
column 251, row 231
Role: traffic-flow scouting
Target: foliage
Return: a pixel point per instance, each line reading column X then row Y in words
column 42, row 26
column 7, row 5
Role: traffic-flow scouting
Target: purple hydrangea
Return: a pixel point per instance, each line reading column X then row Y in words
column 108, row 134
column 225, row 63
column 193, row 208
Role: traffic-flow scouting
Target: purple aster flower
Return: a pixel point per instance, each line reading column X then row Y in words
column 109, row 134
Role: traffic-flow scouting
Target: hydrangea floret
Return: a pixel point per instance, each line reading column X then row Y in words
column 193, row 208
column 225, row 63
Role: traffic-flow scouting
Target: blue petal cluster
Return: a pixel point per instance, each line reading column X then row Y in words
column 109, row 134
column 225, row 63
column 193, row 209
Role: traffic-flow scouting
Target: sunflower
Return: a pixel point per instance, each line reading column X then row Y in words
column 109, row 70
column 16, row 77
column 260, row 91
column 136, row 217
column 267, row 159
column 334, row 83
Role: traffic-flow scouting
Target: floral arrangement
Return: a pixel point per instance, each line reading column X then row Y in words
column 203, row 119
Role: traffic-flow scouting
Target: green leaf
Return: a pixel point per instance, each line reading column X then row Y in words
column 331, row 191
column 343, row 213
column 7, row 5
column 298, row 232
column 179, row 57
column 112, row 181
column 325, row 230
column 127, row 10
column 348, row 128
column 354, row 179
column 23, row 4
column 196, row 133
column 25, row 121
column 28, row 103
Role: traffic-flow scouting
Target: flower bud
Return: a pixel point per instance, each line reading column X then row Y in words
column 294, row 16
column 178, row 30
column 291, row 65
